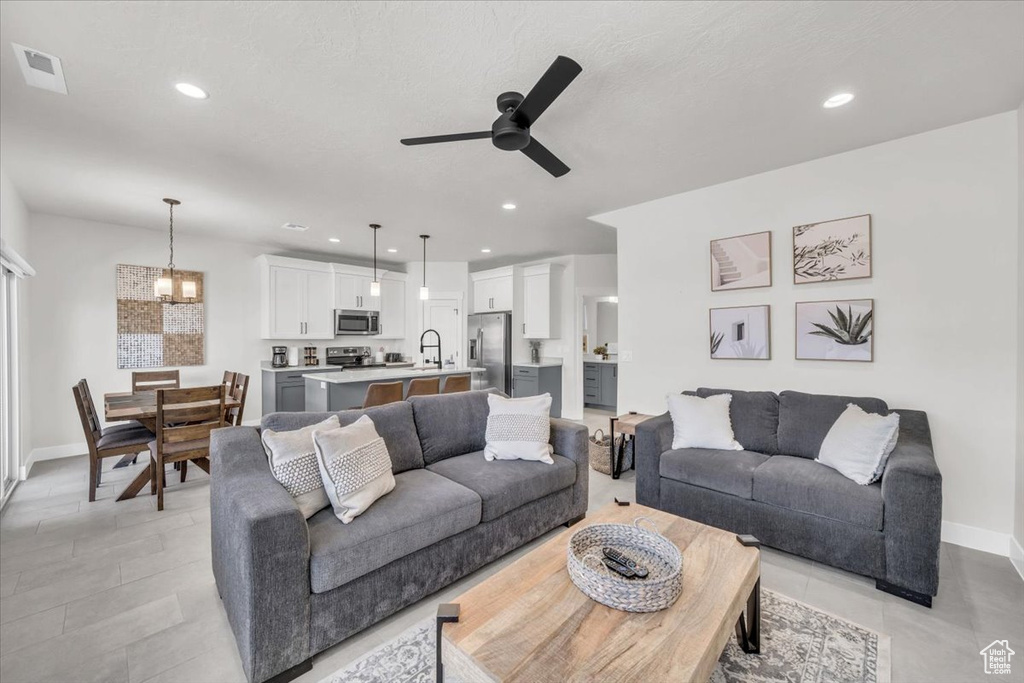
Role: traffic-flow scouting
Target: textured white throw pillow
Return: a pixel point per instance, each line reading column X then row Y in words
column 859, row 443
column 519, row 428
column 355, row 466
column 293, row 463
column 702, row 422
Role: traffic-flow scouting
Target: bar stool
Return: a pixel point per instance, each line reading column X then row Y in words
column 382, row 393
column 456, row 384
column 424, row 386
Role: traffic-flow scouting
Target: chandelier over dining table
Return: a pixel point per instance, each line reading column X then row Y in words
column 167, row 288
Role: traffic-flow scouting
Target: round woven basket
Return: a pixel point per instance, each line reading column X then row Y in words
column 660, row 556
column 600, row 460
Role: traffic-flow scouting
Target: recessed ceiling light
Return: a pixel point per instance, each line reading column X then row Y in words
column 333, row 239
column 295, row 227
column 838, row 100
column 392, row 251
column 485, row 251
column 193, row 91
column 508, row 206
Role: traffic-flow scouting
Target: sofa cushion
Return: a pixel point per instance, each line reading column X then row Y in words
column 755, row 418
column 423, row 509
column 806, row 486
column 451, row 424
column 729, row 472
column 394, row 422
column 804, row 419
column 504, row 485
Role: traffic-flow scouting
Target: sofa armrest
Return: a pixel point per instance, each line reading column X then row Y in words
column 653, row 437
column 260, row 555
column 912, row 496
column 570, row 440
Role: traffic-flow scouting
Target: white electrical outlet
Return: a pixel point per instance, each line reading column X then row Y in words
column 626, row 356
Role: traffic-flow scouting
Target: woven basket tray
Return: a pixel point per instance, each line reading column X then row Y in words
column 660, row 556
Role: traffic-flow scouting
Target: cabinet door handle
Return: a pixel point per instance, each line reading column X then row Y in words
column 524, row 329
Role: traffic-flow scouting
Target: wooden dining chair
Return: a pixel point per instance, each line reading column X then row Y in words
column 382, row 392
column 456, row 384
column 229, row 381
column 155, row 380
column 183, row 430
column 239, row 390
column 424, row 386
column 106, row 443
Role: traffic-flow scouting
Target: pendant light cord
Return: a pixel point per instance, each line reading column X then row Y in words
column 424, row 261
column 374, row 252
column 170, row 264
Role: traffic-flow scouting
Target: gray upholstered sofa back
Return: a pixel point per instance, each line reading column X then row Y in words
column 804, row 419
column 755, row 418
column 451, row 424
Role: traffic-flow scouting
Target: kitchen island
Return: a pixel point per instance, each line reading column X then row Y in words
column 333, row 391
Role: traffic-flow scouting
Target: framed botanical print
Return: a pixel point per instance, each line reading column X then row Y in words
column 741, row 332
column 832, row 250
column 741, row 262
column 836, row 330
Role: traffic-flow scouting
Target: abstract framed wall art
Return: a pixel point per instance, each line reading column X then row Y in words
column 741, row 262
column 152, row 333
column 741, row 332
column 832, row 250
column 836, row 330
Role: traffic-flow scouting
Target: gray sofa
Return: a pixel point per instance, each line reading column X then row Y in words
column 774, row 490
column 293, row 588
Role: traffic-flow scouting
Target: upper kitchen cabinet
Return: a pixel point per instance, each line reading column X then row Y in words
column 392, row 306
column 296, row 299
column 492, row 290
column 352, row 290
column 540, row 301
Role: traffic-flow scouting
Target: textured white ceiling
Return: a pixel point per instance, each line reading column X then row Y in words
column 308, row 102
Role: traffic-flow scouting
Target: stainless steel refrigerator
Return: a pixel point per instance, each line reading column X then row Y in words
column 490, row 348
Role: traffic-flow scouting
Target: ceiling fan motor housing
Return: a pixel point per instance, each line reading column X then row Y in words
column 505, row 133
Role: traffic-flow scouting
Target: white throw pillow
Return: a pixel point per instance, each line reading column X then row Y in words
column 702, row 422
column 293, row 463
column 519, row 428
column 859, row 443
column 355, row 466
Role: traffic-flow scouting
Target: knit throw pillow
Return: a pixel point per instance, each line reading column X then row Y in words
column 519, row 428
column 293, row 463
column 355, row 466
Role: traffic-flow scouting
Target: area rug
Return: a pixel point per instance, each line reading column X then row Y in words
column 799, row 644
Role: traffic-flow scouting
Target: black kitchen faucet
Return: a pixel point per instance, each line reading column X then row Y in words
column 432, row 346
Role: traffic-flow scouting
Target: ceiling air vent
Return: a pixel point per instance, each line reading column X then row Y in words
column 40, row 69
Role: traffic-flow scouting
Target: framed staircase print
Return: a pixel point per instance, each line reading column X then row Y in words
column 741, row 262
column 832, row 250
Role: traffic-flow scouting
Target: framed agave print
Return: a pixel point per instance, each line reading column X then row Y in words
column 741, row 332
column 741, row 262
column 832, row 250
column 836, row 330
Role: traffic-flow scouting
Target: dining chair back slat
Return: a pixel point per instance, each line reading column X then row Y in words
column 155, row 380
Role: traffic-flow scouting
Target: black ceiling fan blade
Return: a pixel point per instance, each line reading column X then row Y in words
column 548, row 161
column 482, row 135
column 556, row 79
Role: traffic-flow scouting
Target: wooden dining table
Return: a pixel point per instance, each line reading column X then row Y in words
column 141, row 406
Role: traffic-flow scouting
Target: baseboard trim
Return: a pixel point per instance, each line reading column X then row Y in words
column 976, row 538
column 1017, row 556
column 67, row 450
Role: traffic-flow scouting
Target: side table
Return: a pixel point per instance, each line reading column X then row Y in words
column 625, row 425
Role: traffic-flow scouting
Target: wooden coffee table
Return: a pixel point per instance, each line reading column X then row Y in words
column 529, row 622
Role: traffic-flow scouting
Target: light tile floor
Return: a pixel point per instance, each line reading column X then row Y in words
column 118, row 592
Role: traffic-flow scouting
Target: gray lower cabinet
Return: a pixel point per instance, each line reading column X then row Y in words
column 601, row 384
column 528, row 380
column 285, row 391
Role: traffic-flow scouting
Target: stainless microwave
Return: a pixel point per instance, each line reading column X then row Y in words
column 356, row 322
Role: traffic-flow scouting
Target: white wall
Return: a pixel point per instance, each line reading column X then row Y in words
column 1017, row 549
column 944, row 220
column 443, row 277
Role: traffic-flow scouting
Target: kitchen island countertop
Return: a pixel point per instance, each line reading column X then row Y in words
column 381, row 375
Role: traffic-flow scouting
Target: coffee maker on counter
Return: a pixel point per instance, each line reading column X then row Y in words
column 280, row 359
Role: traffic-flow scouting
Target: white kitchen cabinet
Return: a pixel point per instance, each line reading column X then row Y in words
column 492, row 290
column 352, row 292
column 540, row 310
column 392, row 308
column 297, row 299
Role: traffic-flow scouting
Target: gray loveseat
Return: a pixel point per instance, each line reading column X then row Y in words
column 774, row 490
column 293, row 588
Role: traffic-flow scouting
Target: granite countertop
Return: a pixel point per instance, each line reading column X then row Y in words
column 379, row 375
column 613, row 361
column 542, row 363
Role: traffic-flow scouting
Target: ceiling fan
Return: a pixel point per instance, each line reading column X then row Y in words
column 511, row 130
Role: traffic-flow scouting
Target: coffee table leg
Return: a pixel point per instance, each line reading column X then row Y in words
column 748, row 628
column 446, row 613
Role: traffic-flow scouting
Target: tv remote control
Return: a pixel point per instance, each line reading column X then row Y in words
column 620, row 568
column 616, row 556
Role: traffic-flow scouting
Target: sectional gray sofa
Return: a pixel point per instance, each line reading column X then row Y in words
column 293, row 588
column 774, row 490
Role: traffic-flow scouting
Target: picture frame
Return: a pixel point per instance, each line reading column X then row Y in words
column 834, row 250
column 740, row 332
column 836, row 330
column 741, row 262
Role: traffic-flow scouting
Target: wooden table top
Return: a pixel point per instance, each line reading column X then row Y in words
column 125, row 405
column 626, row 424
column 529, row 623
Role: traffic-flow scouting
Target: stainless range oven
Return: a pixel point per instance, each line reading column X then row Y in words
column 356, row 322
